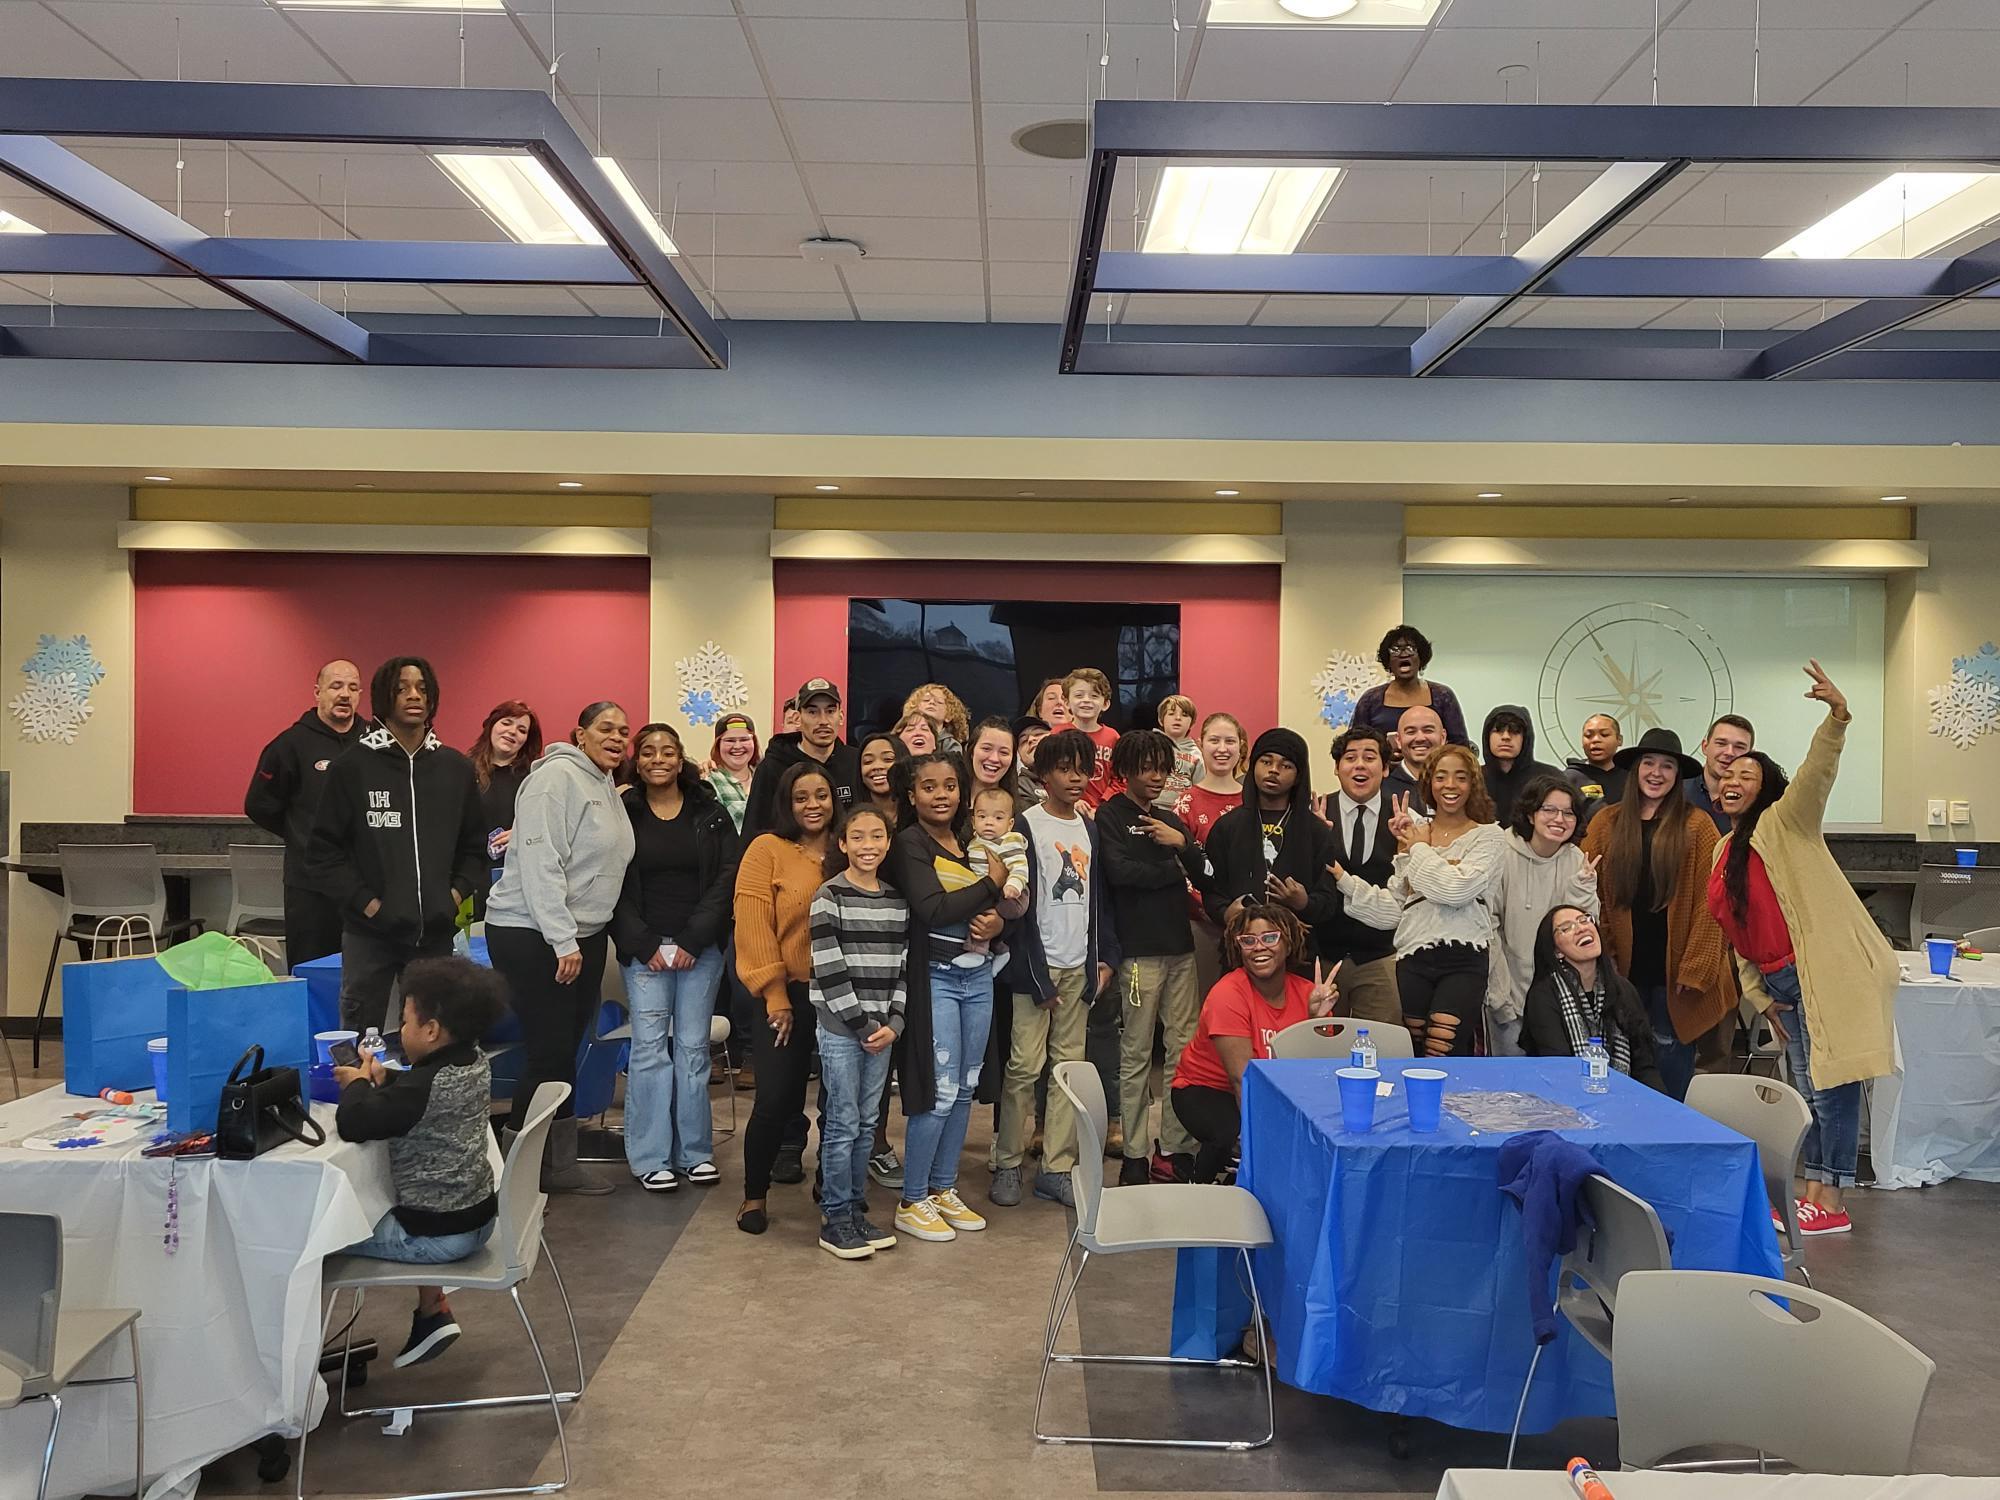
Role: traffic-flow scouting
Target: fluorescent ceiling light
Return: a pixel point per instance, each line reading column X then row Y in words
column 451, row 5
column 11, row 225
column 1342, row 13
column 518, row 193
column 1904, row 215
column 1236, row 210
column 1317, row 10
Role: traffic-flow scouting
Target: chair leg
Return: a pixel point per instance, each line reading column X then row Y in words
column 42, row 1009
column 138, row 1419
column 575, row 1342
column 548, row 1384
column 1521, row 1410
column 49, row 1451
column 1270, row 1355
column 305, row 1414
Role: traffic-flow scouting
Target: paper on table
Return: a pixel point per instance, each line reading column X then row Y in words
column 1511, row 1110
column 1384, row 1088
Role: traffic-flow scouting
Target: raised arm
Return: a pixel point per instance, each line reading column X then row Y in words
column 1803, row 807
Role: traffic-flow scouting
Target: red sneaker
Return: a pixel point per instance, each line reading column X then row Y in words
column 1815, row 1218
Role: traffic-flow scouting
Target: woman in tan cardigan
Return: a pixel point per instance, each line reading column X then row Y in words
column 1653, row 855
column 1809, row 954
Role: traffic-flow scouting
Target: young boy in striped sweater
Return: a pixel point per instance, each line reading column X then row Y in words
column 860, row 942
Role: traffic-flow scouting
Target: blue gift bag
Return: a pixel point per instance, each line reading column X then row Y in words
column 209, row 1030
column 111, row 1009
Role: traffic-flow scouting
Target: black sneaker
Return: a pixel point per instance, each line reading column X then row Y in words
column 1135, row 1172
column 429, row 1337
column 843, row 1238
column 880, row 1239
column 790, row 1165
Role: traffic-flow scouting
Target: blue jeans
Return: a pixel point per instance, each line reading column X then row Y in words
column 961, row 1016
column 1833, row 1140
column 667, row 1119
column 1675, row 1057
column 391, row 1241
column 851, row 1079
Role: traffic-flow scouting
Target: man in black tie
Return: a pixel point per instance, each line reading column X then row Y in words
column 1359, row 815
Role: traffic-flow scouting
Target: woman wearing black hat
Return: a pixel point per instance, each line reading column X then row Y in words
column 1654, row 854
column 1273, row 847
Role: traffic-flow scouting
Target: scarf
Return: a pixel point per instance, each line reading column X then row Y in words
column 1585, row 1015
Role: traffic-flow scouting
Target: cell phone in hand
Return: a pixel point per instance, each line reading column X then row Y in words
column 344, row 1055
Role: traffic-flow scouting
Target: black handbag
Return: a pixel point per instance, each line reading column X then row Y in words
column 262, row 1109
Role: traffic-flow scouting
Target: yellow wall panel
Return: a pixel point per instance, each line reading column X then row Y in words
column 1733, row 523
column 390, row 508
column 1052, row 517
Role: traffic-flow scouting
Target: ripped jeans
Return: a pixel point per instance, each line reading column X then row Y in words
column 961, row 1017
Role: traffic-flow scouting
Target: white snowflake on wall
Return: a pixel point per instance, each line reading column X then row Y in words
column 53, row 706
column 711, row 684
column 54, row 654
column 1965, row 708
column 1338, row 684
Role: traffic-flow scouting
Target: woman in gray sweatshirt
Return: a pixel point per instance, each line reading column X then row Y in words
column 546, row 920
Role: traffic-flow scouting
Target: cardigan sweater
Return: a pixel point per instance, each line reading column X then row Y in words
column 775, row 886
column 1700, row 984
column 1847, row 970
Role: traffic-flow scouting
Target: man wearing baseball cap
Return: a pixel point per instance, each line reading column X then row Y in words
column 818, row 739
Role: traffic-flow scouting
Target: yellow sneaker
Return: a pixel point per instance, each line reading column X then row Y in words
column 954, row 1212
column 922, row 1220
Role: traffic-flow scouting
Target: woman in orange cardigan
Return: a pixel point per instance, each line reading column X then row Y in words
column 1654, row 853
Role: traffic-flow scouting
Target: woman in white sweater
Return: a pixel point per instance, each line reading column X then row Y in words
column 1435, row 902
column 1542, row 869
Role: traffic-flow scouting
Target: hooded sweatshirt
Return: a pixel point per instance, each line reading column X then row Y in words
column 285, row 788
column 566, row 861
column 1527, row 887
column 399, row 828
column 1241, row 842
column 842, row 766
column 1505, row 786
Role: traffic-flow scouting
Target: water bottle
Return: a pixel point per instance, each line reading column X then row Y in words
column 372, row 1045
column 1596, row 1067
column 1364, row 1049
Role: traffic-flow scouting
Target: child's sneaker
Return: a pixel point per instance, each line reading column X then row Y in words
column 923, row 1221
column 956, row 1212
column 886, row 1167
column 1817, row 1218
column 843, row 1239
column 880, row 1239
column 429, row 1337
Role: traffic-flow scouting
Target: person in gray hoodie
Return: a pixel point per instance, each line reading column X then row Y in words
column 547, row 920
column 1543, row 868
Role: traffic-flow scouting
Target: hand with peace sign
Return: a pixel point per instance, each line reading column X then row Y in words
column 1823, row 691
column 1406, row 829
column 1324, row 992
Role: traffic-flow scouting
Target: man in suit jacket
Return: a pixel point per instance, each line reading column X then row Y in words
column 1418, row 733
column 1358, row 814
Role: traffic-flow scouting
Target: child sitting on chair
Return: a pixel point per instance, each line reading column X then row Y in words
column 434, row 1117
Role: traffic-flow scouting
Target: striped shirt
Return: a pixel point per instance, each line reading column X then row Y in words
column 860, row 943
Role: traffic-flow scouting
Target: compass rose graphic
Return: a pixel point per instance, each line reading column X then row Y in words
column 1646, row 665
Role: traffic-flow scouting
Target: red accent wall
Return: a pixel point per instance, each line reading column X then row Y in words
column 227, row 644
column 1229, row 616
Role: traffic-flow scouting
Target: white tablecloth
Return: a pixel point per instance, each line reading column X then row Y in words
column 231, row 1322
column 1938, row 1115
column 1498, row 1484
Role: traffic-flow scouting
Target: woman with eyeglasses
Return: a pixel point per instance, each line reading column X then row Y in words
column 1249, row 1006
column 1577, row 995
column 1542, row 867
column 1405, row 654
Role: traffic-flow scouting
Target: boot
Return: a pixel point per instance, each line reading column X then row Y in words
column 560, row 1173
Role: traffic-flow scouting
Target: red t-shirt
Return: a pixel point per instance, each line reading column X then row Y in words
column 1103, row 786
column 1198, row 808
column 1234, row 1008
column 1762, row 936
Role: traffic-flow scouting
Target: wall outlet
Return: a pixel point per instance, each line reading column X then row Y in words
column 1936, row 819
column 1961, row 813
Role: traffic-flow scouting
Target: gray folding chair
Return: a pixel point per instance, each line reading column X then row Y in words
column 43, row 1344
column 256, row 890
column 1334, row 1038
column 1762, row 1043
column 1628, row 1237
column 1985, row 939
column 1776, row 1116
column 501, row 1265
column 105, row 882
column 1712, row 1358
column 1153, row 1216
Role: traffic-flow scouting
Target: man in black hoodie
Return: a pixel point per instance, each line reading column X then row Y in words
column 1509, row 743
column 398, row 841
column 284, row 794
column 1273, row 847
column 818, row 738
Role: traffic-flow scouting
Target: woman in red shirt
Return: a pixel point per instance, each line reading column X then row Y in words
column 1248, row 1006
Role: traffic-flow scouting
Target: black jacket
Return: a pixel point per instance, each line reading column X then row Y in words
column 717, row 851
column 912, row 869
column 285, row 788
column 1400, row 783
column 1148, row 881
column 401, row 828
column 1543, row 1033
column 1504, row 786
column 1600, row 788
column 843, row 769
column 1235, row 845
column 1339, row 936
column 1028, row 972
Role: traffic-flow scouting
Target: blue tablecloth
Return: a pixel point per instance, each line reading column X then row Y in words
column 1398, row 1281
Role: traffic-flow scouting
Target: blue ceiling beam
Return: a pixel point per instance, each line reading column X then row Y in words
column 442, row 262
column 1977, row 270
column 282, row 346
column 69, row 179
column 1519, row 362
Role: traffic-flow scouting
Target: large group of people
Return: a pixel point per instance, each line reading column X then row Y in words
column 949, row 903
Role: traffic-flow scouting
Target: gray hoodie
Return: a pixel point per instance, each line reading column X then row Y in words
column 566, row 861
column 1527, row 887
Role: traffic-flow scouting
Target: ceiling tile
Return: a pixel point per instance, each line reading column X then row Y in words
column 1462, row 66
column 1779, row 15
column 818, row 307
column 515, row 301
column 620, row 301
column 827, row 59
column 1057, row 64
column 1971, row 15
column 637, row 125
column 690, row 57
column 1032, row 239
column 860, row 188
column 1326, row 312
column 889, row 307
column 1029, row 279
column 89, row 291
column 1070, row 13
column 1051, row 191
column 250, row 44
column 1943, row 67
column 416, row 50
column 391, row 298
column 1009, row 309
column 1256, row 63
column 39, row 45
column 753, row 273
column 1715, row 67
column 1190, row 312
column 859, row 10
column 1591, row 312
column 1710, row 315
column 851, row 130
column 1548, row 15
column 909, row 238
column 726, row 187
column 954, row 277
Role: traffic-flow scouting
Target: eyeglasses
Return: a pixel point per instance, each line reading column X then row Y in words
column 1564, row 929
column 1551, row 810
column 1260, row 940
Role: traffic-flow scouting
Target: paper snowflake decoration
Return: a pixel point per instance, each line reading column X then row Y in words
column 1346, row 672
column 710, row 684
column 1983, row 663
column 54, row 655
column 53, row 706
column 1965, row 708
column 1336, row 710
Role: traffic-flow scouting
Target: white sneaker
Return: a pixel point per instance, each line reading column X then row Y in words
column 922, row 1221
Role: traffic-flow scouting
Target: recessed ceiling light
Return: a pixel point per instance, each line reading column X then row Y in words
column 1894, row 499
column 569, row 484
column 364, row 486
column 518, row 193
column 826, row 489
column 159, row 479
column 1225, row 494
column 1489, row 494
column 9, row 224
column 1317, row 10
column 1679, row 499
column 1342, row 13
column 1236, row 210
column 1905, row 214
column 1024, row 494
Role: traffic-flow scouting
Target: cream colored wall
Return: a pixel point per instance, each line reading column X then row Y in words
column 61, row 573
column 712, row 582
column 1340, row 588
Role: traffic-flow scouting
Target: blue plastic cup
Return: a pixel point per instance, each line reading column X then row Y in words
column 1424, row 1088
column 1357, row 1099
column 156, row 1049
column 1967, row 858
column 1941, row 951
column 324, row 1040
